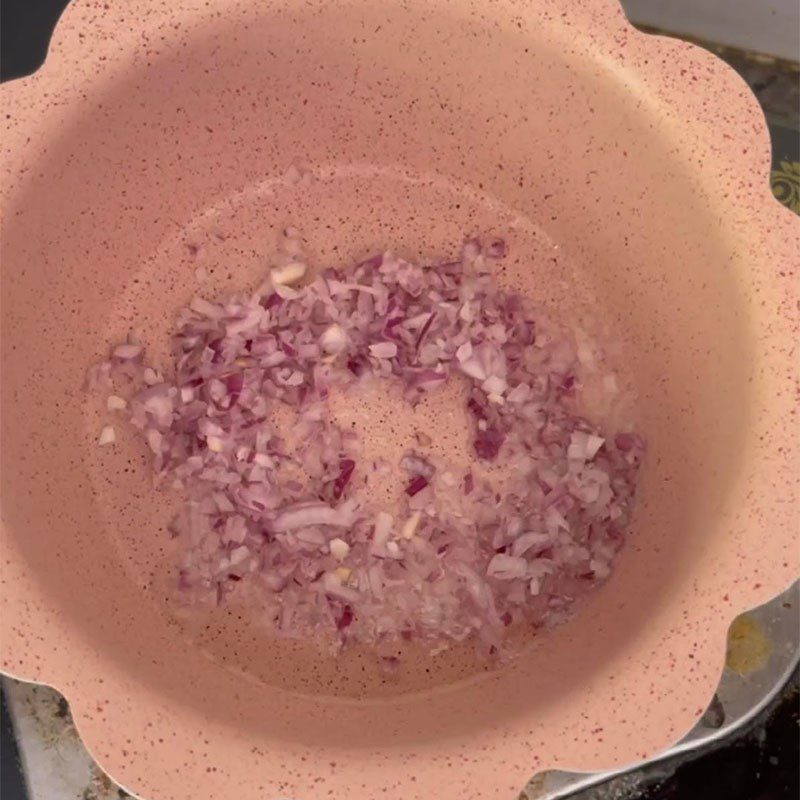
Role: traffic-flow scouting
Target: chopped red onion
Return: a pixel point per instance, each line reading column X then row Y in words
column 305, row 514
column 115, row 403
column 127, row 352
column 507, row 568
column 583, row 446
column 281, row 517
column 383, row 350
column 345, row 618
column 416, row 484
column 488, row 443
column 417, row 466
column 333, row 339
column 496, row 248
column 346, row 468
column 107, row 436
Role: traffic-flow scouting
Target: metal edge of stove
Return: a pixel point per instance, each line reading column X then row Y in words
column 764, row 646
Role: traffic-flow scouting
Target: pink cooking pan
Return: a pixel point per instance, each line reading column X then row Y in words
column 631, row 175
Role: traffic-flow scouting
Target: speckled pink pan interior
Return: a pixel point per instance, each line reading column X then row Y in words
column 630, row 175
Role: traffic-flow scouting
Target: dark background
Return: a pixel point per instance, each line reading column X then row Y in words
column 25, row 28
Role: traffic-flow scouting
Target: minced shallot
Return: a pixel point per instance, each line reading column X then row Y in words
column 458, row 559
